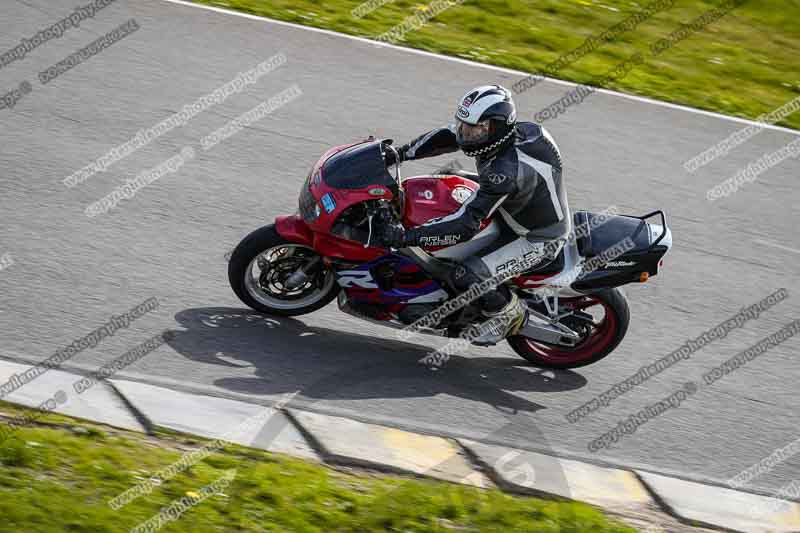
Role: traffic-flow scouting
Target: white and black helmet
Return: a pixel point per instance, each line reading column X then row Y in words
column 485, row 120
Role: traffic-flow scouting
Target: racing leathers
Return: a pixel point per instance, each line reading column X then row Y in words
column 520, row 186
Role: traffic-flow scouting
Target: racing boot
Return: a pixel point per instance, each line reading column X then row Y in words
column 501, row 324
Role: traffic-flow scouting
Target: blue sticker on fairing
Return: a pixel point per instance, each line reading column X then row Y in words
column 328, row 203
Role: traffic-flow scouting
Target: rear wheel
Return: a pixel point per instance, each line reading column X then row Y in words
column 602, row 324
column 261, row 266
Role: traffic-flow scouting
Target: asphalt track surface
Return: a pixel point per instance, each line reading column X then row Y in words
column 72, row 272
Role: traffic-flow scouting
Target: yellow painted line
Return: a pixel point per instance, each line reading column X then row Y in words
column 789, row 518
column 593, row 484
column 423, row 450
column 433, row 456
column 636, row 490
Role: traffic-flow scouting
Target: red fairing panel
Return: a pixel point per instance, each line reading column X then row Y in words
column 427, row 197
column 294, row 229
column 333, row 246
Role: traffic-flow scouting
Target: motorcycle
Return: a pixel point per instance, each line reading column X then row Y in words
column 302, row 262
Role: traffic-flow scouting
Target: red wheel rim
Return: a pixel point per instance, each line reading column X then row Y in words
column 601, row 337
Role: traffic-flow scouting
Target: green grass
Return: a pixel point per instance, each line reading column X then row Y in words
column 745, row 64
column 58, row 477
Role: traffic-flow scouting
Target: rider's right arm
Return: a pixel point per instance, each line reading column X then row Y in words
column 435, row 142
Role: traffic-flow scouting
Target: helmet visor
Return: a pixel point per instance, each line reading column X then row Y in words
column 469, row 134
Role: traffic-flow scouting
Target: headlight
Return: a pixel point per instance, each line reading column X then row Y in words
column 309, row 209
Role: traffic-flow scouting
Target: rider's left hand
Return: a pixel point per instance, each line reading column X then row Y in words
column 389, row 236
column 391, row 156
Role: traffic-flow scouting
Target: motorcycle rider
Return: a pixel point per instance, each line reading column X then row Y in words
column 521, row 187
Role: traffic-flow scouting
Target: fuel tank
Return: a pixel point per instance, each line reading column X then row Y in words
column 428, row 197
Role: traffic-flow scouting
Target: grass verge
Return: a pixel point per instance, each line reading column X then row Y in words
column 59, row 476
column 744, row 64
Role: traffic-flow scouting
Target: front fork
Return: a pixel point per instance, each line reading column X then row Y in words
column 299, row 277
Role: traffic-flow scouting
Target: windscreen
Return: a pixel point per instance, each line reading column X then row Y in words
column 357, row 167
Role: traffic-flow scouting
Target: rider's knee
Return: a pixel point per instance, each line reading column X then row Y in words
column 472, row 272
column 468, row 273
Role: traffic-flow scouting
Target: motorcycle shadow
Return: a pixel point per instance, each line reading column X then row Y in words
column 288, row 355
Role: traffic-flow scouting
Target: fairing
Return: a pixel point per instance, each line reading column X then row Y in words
column 387, row 283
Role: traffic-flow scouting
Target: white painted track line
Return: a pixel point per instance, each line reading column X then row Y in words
column 483, row 65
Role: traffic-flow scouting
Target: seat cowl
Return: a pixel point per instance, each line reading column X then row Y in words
column 598, row 233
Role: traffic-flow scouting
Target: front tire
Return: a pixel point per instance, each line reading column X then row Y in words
column 600, row 340
column 262, row 263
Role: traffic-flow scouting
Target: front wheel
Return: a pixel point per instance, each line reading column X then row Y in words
column 603, row 324
column 261, row 266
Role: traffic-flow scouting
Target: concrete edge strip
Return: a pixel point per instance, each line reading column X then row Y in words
column 300, row 405
column 143, row 421
column 501, row 483
column 667, row 508
column 504, row 70
column 477, row 465
column 472, row 458
column 379, row 451
column 138, row 414
column 312, row 441
column 679, row 498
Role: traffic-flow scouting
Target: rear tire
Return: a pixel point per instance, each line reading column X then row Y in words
column 601, row 342
column 266, row 294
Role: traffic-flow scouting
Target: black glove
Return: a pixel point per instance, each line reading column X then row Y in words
column 388, row 236
column 390, row 157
